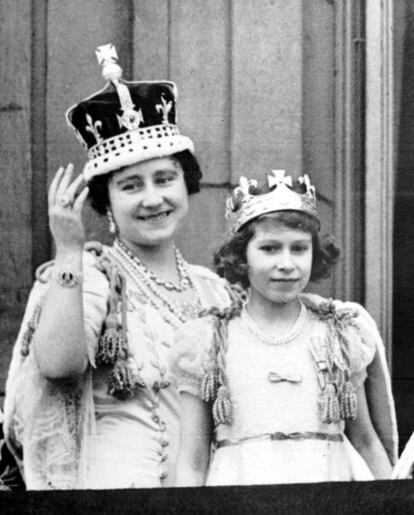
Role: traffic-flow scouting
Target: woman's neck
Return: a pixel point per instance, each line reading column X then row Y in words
column 160, row 259
column 272, row 316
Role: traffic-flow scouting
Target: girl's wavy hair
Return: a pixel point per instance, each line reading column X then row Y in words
column 230, row 259
column 98, row 186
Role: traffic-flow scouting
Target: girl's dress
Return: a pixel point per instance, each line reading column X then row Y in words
column 277, row 408
column 117, row 426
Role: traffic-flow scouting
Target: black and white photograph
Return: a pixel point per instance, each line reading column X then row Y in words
column 206, row 213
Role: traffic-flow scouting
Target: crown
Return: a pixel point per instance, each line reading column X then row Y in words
column 126, row 122
column 247, row 201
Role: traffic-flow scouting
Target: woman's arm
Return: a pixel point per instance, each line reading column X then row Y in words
column 195, row 438
column 364, row 438
column 59, row 340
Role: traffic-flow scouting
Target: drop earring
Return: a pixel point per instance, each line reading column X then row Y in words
column 111, row 222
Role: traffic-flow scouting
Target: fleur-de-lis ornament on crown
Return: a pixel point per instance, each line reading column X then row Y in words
column 165, row 107
column 93, row 127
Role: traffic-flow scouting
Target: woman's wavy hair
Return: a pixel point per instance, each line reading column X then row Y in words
column 230, row 259
column 98, row 186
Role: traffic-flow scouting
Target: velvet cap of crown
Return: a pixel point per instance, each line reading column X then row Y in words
column 126, row 122
column 246, row 202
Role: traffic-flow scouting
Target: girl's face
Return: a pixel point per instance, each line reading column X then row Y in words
column 279, row 262
column 148, row 201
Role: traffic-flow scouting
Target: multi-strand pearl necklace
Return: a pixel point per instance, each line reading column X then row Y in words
column 145, row 281
column 271, row 339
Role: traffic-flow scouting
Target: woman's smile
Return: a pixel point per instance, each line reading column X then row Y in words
column 154, row 218
column 148, row 201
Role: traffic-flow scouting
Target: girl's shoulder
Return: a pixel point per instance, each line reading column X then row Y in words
column 349, row 313
column 351, row 323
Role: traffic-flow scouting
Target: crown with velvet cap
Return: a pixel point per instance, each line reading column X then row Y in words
column 126, row 122
column 247, row 202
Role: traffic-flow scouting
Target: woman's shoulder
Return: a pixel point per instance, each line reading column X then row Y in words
column 205, row 273
column 191, row 353
column 214, row 287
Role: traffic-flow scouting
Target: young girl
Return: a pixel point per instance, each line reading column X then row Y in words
column 278, row 383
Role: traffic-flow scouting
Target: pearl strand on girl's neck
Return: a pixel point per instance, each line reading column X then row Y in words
column 273, row 339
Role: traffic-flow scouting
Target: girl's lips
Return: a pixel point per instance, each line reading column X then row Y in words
column 284, row 280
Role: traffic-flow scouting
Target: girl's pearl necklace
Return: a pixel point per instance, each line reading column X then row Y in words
column 138, row 273
column 273, row 339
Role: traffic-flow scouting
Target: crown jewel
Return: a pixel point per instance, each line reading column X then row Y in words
column 247, row 201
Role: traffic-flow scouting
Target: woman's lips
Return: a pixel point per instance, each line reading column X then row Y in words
column 156, row 217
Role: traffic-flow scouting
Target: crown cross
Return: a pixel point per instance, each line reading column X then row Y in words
column 277, row 177
column 165, row 108
column 106, row 54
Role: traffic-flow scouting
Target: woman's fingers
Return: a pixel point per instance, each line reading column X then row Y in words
column 64, row 183
column 80, row 199
column 74, row 188
column 54, row 185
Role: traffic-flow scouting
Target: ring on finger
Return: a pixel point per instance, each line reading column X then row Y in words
column 65, row 201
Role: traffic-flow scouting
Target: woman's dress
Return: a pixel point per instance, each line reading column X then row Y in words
column 74, row 433
column 277, row 433
column 10, row 478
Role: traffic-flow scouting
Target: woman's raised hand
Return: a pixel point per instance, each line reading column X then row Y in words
column 66, row 200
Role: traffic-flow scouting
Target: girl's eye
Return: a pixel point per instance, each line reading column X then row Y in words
column 269, row 248
column 300, row 249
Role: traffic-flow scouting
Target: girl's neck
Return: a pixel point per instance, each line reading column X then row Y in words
column 271, row 316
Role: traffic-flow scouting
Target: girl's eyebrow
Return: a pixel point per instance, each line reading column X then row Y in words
column 276, row 240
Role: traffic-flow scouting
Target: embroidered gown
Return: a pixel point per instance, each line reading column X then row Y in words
column 273, row 388
column 77, row 435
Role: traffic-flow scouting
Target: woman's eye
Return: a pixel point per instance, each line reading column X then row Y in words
column 130, row 186
column 165, row 179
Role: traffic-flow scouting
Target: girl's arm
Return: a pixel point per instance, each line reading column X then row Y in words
column 364, row 438
column 195, row 437
column 59, row 340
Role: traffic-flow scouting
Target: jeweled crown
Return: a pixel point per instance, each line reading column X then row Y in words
column 248, row 201
column 126, row 122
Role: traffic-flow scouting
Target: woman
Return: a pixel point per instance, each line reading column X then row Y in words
column 89, row 395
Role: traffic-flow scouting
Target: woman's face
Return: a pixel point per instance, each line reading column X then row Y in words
column 279, row 262
column 148, row 201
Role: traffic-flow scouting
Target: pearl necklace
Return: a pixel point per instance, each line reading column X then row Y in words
column 271, row 339
column 183, row 277
column 169, row 310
